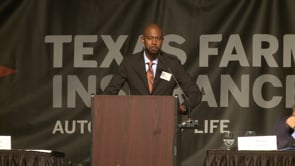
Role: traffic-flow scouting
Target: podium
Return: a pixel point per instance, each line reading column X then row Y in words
column 134, row 130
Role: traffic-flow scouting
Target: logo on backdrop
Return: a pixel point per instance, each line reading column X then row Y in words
column 215, row 52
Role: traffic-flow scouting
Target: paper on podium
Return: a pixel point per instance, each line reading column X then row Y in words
column 257, row 143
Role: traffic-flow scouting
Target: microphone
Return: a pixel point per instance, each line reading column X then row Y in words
column 189, row 123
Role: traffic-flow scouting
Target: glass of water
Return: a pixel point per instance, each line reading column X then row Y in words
column 250, row 133
column 228, row 139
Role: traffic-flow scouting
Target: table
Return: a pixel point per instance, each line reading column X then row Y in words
column 31, row 158
column 249, row 158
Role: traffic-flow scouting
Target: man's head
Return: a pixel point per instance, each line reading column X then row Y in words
column 152, row 39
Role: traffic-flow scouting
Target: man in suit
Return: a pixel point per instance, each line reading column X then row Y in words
column 165, row 70
column 284, row 130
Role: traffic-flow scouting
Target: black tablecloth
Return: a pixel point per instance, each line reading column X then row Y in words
column 31, row 158
column 249, row 158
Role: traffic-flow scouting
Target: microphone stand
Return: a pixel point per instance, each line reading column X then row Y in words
column 189, row 123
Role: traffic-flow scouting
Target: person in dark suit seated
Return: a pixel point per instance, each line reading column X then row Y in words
column 284, row 130
column 158, row 78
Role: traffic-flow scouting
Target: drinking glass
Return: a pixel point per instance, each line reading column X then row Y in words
column 228, row 139
column 250, row 133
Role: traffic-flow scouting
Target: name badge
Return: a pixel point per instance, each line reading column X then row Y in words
column 165, row 76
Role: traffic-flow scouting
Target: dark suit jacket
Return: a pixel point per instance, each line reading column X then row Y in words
column 132, row 70
column 283, row 133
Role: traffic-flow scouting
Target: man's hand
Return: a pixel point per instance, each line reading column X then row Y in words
column 182, row 108
column 291, row 122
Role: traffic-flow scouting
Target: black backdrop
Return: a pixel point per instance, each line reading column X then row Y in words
column 55, row 53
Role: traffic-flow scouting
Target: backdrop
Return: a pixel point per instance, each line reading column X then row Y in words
column 55, row 53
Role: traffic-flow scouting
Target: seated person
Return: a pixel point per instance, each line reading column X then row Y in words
column 284, row 129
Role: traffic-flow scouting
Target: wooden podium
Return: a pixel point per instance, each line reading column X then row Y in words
column 134, row 130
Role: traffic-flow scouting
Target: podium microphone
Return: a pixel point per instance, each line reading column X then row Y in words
column 189, row 123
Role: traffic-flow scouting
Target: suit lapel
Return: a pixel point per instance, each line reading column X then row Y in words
column 160, row 68
column 140, row 68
